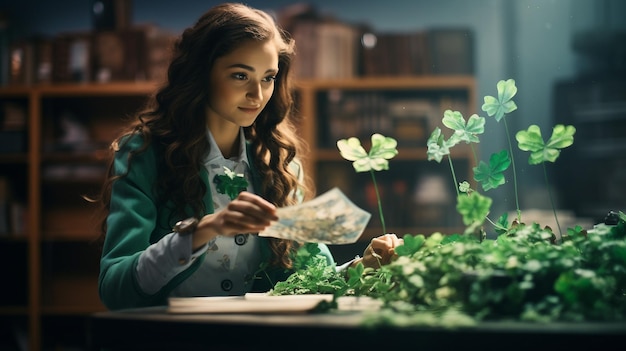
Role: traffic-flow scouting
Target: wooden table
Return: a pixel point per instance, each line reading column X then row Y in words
column 156, row 329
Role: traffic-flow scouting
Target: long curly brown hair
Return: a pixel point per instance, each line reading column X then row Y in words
column 174, row 118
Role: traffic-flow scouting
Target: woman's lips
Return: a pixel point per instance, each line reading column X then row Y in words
column 249, row 109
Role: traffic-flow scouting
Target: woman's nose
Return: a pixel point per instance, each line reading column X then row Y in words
column 255, row 93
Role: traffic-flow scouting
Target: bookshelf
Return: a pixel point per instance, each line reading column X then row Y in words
column 418, row 195
column 55, row 256
column 50, row 248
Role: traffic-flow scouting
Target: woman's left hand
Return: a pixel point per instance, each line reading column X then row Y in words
column 380, row 251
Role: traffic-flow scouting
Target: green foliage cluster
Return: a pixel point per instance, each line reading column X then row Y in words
column 527, row 273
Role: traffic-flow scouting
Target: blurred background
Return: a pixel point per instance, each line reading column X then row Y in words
column 547, row 46
column 567, row 57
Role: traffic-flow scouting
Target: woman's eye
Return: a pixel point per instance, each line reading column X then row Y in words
column 270, row 78
column 240, row 76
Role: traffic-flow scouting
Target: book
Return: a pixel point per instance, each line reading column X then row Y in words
column 119, row 55
column 264, row 303
column 71, row 57
column 395, row 54
column 248, row 303
column 325, row 49
column 451, row 51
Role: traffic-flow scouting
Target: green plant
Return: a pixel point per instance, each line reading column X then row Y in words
column 383, row 149
column 476, row 207
column 523, row 274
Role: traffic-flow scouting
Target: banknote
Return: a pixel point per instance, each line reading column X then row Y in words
column 330, row 218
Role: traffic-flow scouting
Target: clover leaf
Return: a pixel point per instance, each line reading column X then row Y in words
column 412, row 243
column 473, row 207
column 383, row 148
column 531, row 140
column 438, row 147
column 464, row 132
column 490, row 176
column 230, row 183
column 503, row 104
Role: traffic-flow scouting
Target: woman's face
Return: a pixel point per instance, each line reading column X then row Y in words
column 242, row 82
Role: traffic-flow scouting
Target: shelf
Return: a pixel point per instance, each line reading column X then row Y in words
column 17, row 310
column 13, row 158
column 394, row 83
column 83, row 299
column 95, row 89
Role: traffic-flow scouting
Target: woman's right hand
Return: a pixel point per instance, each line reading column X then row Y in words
column 247, row 213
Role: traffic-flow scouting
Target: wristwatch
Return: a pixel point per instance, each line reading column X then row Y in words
column 186, row 226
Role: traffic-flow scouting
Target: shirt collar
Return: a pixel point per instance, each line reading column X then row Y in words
column 215, row 154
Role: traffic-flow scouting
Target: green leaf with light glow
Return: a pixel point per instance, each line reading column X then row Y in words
column 383, row 149
column 531, row 140
column 498, row 107
column 466, row 132
column 438, row 147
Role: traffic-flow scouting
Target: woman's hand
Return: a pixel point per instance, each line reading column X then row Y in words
column 380, row 251
column 248, row 213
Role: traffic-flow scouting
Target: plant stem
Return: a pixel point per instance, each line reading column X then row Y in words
column 497, row 226
column 508, row 137
column 456, row 184
column 380, row 207
column 545, row 175
column 475, row 155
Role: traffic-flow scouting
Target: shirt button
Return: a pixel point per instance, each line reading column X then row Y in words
column 241, row 239
column 227, row 285
column 182, row 261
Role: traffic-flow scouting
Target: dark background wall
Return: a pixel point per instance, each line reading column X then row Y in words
column 531, row 41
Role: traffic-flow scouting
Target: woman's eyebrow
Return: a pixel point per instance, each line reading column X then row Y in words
column 241, row 65
column 250, row 68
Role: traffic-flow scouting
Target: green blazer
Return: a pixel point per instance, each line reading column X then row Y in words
column 136, row 220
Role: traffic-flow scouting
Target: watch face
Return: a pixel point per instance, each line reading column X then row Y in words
column 186, row 226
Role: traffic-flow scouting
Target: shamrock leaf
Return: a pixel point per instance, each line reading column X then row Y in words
column 473, row 207
column 464, row 132
column 305, row 255
column 354, row 274
column 411, row 244
column 438, row 147
column 230, row 183
column 383, row 149
column 531, row 140
column 490, row 176
column 503, row 104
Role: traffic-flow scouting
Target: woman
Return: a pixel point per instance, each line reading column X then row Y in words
column 227, row 103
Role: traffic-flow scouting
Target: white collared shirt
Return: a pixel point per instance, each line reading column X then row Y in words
column 228, row 268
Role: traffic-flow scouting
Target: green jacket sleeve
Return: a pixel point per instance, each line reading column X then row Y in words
column 133, row 224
